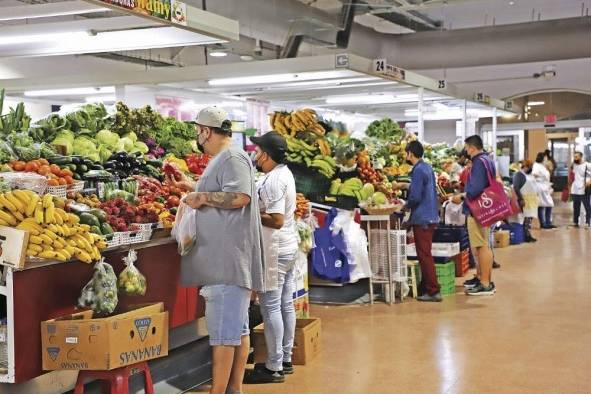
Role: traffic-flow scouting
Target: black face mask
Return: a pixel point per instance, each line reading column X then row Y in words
column 577, row 161
column 529, row 171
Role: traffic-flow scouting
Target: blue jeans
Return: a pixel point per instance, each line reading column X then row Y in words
column 226, row 313
column 545, row 216
column 280, row 321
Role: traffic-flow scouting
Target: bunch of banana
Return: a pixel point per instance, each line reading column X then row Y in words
column 53, row 233
column 324, row 147
column 290, row 123
column 298, row 151
column 324, row 164
column 352, row 187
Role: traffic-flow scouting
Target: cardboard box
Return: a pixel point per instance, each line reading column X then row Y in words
column 80, row 342
column 307, row 343
column 502, row 239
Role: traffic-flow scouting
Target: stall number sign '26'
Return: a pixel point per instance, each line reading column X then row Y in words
column 161, row 9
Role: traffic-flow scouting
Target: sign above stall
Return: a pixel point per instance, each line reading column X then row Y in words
column 168, row 10
column 482, row 98
column 381, row 66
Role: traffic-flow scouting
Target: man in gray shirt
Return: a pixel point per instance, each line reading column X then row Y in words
column 227, row 259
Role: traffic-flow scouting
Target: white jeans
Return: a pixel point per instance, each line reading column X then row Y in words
column 280, row 321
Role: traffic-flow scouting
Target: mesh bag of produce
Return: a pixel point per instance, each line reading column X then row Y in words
column 100, row 294
column 131, row 280
column 184, row 229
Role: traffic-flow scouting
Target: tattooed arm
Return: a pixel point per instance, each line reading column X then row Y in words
column 222, row 200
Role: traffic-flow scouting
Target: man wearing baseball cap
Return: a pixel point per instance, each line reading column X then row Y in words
column 277, row 199
column 228, row 258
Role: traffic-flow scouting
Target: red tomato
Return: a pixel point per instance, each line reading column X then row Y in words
column 31, row 167
column 173, row 201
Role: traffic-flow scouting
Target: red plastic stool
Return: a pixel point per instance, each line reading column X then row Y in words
column 116, row 381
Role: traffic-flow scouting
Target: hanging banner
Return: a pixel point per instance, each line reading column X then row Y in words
column 161, row 9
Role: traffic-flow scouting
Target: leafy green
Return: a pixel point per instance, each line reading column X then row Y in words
column 385, row 129
column 104, row 153
column 6, row 152
column 84, row 146
column 108, row 138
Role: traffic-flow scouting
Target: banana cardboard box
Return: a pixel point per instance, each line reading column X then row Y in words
column 13, row 243
column 80, row 342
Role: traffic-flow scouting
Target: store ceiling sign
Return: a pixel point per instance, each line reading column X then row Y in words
column 161, row 9
column 381, row 66
column 342, row 61
column 482, row 98
column 550, row 120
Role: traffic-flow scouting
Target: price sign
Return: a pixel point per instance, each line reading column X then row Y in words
column 395, row 72
column 482, row 98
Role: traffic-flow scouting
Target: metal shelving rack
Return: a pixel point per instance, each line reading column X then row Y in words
column 6, row 289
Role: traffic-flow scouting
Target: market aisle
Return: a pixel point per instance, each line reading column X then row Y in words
column 533, row 336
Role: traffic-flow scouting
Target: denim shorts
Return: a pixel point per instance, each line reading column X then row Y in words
column 226, row 313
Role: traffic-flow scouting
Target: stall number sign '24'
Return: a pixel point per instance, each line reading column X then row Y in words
column 170, row 10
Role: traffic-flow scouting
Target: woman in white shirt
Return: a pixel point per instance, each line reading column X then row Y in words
column 546, row 203
column 581, row 183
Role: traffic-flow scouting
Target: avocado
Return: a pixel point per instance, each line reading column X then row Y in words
column 100, row 214
column 90, row 219
column 95, row 230
column 106, row 229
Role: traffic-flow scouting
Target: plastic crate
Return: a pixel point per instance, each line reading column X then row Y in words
column 146, row 226
column 58, row 191
column 446, row 269
column 448, row 289
column 135, row 237
column 438, row 249
column 114, row 241
column 462, row 262
column 76, row 187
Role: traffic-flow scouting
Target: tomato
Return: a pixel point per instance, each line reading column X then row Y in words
column 67, row 172
column 69, row 179
column 19, row 166
column 62, row 181
column 173, row 201
column 31, row 167
column 44, row 170
column 55, row 169
column 43, row 162
column 53, row 182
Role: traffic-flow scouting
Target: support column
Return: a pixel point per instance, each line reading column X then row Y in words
column 494, row 132
column 421, row 119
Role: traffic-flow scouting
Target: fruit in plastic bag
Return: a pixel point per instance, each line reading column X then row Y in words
column 131, row 280
column 100, row 293
column 184, row 229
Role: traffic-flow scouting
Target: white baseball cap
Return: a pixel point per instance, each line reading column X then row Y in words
column 212, row 117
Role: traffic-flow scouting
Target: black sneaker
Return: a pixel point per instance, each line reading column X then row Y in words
column 470, row 283
column 430, row 298
column 287, row 368
column 496, row 265
column 480, row 290
column 261, row 375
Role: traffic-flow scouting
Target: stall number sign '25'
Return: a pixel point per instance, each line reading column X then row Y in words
column 162, row 9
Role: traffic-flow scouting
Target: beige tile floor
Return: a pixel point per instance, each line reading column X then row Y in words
column 533, row 336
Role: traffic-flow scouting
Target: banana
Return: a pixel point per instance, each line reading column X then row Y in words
column 82, row 243
column 63, row 214
column 84, row 257
column 8, row 218
column 73, row 219
column 47, row 200
column 33, row 239
column 85, row 227
column 50, row 214
column 59, row 243
column 18, row 216
column 66, row 230
column 88, row 237
column 32, row 205
column 39, row 213
column 35, row 247
column 7, row 204
column 61, row 256
column 50, row 234
column 16, row 202
column 28, row 227
column 72, row 251
column 67, row 254
column 22, row 196
column 59, row 202
column 47, row 254
column 101, row 245
column 55, row 229
column 72, row 242
column 31, row 252
column 57, row 218
column 46, row 239
column 3, row 223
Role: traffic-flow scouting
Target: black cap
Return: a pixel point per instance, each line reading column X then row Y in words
column 273, row 144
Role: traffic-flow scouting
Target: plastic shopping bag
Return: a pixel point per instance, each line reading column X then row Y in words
column 131, row 280
column 184, row 229
column 454, row 215
column 100, row 294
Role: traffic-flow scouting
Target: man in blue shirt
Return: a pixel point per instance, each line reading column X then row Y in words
column 479, row 235
column 424, row 207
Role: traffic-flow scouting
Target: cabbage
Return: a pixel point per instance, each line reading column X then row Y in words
column 104, row 153
column 120, row 146
column 84, row 146
column 107, row 138
column 66, row 143
column 67, row 135
column 140, row 147
column 127, row 144
column 132, row 136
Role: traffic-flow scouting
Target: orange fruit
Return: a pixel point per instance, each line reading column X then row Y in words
column 53, row 182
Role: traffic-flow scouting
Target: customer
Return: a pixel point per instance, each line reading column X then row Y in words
column 227, row 260
column 544, row 186
column 423, row 203
column 580, row 189
column 277, row 194
column 549, row 162
column 465, row 161
column 479, row 235
column 524, row 186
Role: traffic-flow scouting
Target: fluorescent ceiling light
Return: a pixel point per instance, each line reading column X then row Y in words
column 276, row 78
column 328, row 82
column 412, row 96
column 218, row 54
column 101, row 99
column 70, row 92
column 33, row 38
column 358, row 99
column 49, row 10
column 535, row 103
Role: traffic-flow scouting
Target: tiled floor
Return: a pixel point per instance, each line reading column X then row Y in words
column 534, row 336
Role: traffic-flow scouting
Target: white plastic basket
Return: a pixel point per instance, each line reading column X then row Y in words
column 76, row 187
column 114, row 241
column 438, row 249
column 146, row 226
column 378, row 256
column 58, row 191
column 135, row 237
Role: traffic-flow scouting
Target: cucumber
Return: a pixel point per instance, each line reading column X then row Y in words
column 60, row 160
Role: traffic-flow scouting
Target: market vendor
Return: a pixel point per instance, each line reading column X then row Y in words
column 277, row 198
column 227, row 259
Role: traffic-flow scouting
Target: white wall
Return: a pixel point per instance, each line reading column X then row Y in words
column 440, row 131
column 35, row 109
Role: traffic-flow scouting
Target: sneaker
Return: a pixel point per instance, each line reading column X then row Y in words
column 288, row 368
column 470, row 283
column 430, row 298
column 496, row 265
column 480, row 290
column 261, row 375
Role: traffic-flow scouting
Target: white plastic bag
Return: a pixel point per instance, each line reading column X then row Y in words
column 100, row 293
column 271, row 245
column 454, row 215
column 131, row 280
column 184, row 229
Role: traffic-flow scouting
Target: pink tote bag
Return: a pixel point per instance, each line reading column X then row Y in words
column 493, row 204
